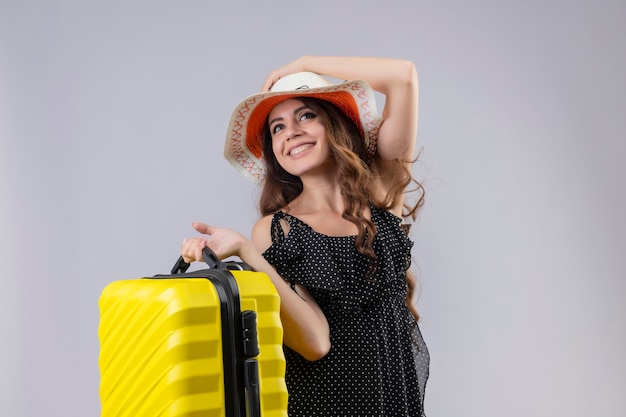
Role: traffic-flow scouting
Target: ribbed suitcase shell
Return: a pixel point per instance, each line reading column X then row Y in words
column 161, row 347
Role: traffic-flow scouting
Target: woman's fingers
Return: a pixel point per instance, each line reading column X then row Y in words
column 191, row 249
column 294, row 66
column 203, row 228
column 199, row 247
column 224, row 242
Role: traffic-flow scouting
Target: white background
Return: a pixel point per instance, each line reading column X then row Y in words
column 112, row 122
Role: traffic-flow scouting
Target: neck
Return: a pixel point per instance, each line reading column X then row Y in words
column 319, row 195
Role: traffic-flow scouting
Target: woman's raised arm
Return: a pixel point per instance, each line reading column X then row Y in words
column 395, row 78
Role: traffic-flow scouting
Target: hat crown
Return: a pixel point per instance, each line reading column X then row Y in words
column 299, row 81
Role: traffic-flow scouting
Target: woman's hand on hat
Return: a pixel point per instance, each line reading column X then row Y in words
column 297, row 65
column 224, row 242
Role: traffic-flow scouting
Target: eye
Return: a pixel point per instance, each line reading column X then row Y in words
column 277, row 127
column 308, row 115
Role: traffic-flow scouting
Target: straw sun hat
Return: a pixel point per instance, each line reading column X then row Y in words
column 243, row 147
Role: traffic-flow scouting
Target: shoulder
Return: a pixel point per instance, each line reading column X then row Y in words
column 262, row 233
column 270, row 229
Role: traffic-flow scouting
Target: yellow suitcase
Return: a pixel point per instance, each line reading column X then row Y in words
column 185, row 344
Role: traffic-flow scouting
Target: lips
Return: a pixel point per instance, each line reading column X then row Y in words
column 300, row 148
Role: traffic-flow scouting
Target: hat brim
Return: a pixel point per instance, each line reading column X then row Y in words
column 243, row 147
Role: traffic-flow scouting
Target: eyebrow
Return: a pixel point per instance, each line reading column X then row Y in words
column 279, row 118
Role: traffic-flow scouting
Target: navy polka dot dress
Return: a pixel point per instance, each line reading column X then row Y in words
column 378, row 362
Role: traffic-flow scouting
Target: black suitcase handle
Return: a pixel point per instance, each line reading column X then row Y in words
column 248, row 327
column 211, row 259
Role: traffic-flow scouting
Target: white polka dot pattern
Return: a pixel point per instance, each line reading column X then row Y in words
column 378, row 362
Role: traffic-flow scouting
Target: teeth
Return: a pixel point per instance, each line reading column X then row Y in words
column 300, row 149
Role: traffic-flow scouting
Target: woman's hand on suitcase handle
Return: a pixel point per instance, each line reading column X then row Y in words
column 224, row 242
column 191, row 249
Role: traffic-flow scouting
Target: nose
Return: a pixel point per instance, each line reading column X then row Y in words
column 292, row 130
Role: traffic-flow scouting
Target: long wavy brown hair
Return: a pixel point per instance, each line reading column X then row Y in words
column 356, row 171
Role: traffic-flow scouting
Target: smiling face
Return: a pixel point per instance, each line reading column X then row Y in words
column 299, row 138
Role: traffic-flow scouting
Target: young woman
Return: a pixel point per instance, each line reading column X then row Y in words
column 334, row 178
